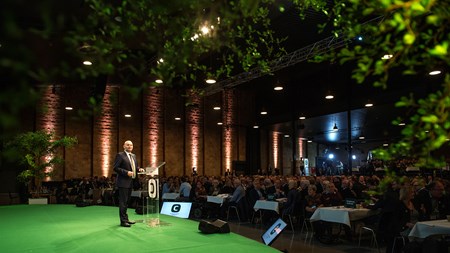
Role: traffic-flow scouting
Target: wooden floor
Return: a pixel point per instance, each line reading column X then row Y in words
column 298, row 242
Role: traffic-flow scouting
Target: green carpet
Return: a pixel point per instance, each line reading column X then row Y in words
column 66, row 228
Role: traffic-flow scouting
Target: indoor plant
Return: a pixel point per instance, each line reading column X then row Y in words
column 39, row 151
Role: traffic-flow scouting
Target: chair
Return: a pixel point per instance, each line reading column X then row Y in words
column 376, row 223
column 235, row 208
column 291, row 213
column 309, row 229
column 373, row 240
column 395, row 242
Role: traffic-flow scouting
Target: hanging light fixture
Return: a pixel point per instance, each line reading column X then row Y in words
column 335, row 128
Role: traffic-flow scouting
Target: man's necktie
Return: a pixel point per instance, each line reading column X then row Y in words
column 133, row 166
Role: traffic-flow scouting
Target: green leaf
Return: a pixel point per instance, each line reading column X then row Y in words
column 440, row 50
column 430, row 119
column 417, row 7
column 409, row 38
column 433, row 20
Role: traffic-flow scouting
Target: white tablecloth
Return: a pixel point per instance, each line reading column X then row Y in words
column 341, row 214
column 266, row 205
column 424, row 229
column 171, row 195
column 219, row 199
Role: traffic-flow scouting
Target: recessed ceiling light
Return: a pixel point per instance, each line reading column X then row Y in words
column 329, row 97
column 434, row 72
column 309, row 141
column 219, row 123
column 368, row 105
column 286, row 136
column 263, row 113
column 68, row 108
column 278, row 88
column 216, row 108
column 127, row 115
column 210, row 81
column 87, row 63
column 255, row 126
column 362, row 137
column 177, row 118
column 302, row 117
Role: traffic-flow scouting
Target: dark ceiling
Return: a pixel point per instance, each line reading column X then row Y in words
column 305, row 85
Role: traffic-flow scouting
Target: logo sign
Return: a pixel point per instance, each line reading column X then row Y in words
column 153, row 186
column 176, row 208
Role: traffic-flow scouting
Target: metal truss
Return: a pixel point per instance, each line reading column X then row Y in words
column 300, row 55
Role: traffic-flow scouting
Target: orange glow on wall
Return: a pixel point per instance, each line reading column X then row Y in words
column 50, row 116
column 300, row 148
column 275, row 149
column 106, row 129
column 194, row 116
column 153, row 123
column 228, row 129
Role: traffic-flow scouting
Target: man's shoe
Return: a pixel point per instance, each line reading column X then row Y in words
column 131, row 222
column 125, row 224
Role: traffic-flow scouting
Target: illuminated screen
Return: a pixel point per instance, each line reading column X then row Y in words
column 272, row 233
column 177, row 209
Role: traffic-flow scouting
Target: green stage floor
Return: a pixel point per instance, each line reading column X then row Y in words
column 66, row 228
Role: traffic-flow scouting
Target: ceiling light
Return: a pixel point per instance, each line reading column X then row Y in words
column 302, row 117
column 216, row 108
column 210, row 81
column 87, row 63
column 68, row 108
column 385, row 144
column 158, row 81
column 127, row 115
column 329, row 96
column 177, row 118
column 161, row 60
column 362, row 137
column 309, row 141
column 205, row 30
column 278, row 88
column 286, row 136
column 401, row 124
column 434, row 72
column 387, row 56
column 263, row 113
column 219, row 123
column 368, row 105
column 255, row 126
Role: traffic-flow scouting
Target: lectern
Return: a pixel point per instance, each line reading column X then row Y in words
column 150, row 201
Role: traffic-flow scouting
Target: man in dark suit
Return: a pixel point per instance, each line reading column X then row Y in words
column 126, row 167
column 430, row 202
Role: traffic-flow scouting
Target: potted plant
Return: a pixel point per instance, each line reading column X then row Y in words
column 39, row 151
